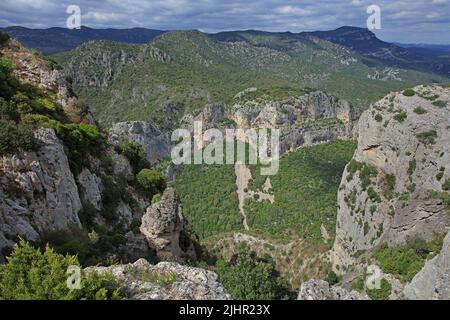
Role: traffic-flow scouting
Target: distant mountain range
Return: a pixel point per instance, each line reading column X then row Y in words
column 54, row 40
column 421, row 57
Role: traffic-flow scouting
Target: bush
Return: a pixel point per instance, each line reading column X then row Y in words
column 401, row 261
column 440, row 103
column 156, row 198
column 428, row 137
column 14, row 137
column 390, row 182
column 80, row 141
column 401, row 116
column 135, row 154
column 332, row 278
column 151, row 181
column 34, row 275
column 8, row 111
column 4, row 37
column 420, row 110
column 247, row 277
column 382, row 293
column 378, row 117
column 409, row 93
column 446, row 185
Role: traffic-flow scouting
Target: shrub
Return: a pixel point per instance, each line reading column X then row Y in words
column 81, row 140
column 382, row 293
column 32, row 274
column 420, row 110
column 409, row 93
column 4, row 37
column 151, row 181
column 8, row 111
column 401, row 261
column 446, row 185
column 134, row 153
column 401, row 116
column 378, row 117
column 428, row 137
column 156, row 198
column 15, row 136
column 247, row 277
column 390, row 182
column 332, row 278
column 440, row 103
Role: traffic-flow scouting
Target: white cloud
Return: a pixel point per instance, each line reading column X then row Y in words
column 402, row 20
column 292, row 10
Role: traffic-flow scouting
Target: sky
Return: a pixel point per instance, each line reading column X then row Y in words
column 406, row 21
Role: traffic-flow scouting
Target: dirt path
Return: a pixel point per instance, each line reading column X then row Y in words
column 243, row 176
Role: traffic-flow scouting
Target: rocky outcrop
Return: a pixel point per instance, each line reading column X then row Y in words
column 162, row 226
column 38, row 193
column 321, row 290
column 46, row 194
column 165, row 281
column 433, row 281
column 312, row 118
column 155, row 143
column 34, row 69
column 393, row 189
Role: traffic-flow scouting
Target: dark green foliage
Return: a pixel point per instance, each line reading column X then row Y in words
column 34, row 275
column 412, row 167
column 409, row 93
column 420, row 110
column 332, row 278
column 378, row 117
column 248, row 277
column 406, row 261
column 401, row 116
column 134, row 153
column 14, row 137
column 373, row 195
column 81, row 140
column 209, row 199
column 440, row 103
column 428, row 137
column 444, row 196
column 305, row 190
column 8, row 111
column 389, row 183
column 366, row 172
column 151, row 181
column 382, row 293
column 4, row 37
column 446, row 185
column 91, row 248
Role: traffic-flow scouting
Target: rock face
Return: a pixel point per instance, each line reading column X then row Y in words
column 393, row 189
column 155, row 143
column 165, row 281
column 312, row 118
column 162, row 226
column 38, row 192
column 321, row 290
column 433, row 281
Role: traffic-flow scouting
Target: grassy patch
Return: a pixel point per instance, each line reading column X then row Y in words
column 428, row 137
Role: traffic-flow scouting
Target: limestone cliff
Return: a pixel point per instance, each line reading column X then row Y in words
column 393, row 188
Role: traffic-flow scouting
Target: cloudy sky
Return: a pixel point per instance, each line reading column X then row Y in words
column 408, row 21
